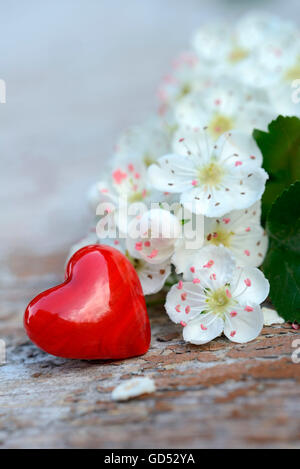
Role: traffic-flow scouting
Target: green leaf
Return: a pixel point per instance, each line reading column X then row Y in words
column 280, row 147
column 184, row 221
column 283, row 224
column 282, row 268
column 282, row 264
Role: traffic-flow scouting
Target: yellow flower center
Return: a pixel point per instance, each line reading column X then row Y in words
column 220, row 237
column 136, row 197
column 218, row 301
column 148, row 159
column 237, row 54
column 293, row 73
column 135, row 262
column 211, row 174
column 185, row 90
column 219, row 125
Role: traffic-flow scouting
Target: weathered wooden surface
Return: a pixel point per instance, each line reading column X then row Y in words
column 214, row 396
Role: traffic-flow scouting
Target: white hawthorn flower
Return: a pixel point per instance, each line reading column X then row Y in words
column 259, row 50
column 187, row 75
column 127, row 181
column 214, row 45
column 220, row 298
column 225, row 105
column 152, row 237
column 239, row 231
column 142, row 145
column 212, row 179
column 152, row 276
column 256, row 28
column 273, row 65
column 274, row 50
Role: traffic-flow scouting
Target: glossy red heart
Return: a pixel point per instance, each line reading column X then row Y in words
column 99, row 312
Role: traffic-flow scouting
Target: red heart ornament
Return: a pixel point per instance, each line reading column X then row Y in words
column 99, row 312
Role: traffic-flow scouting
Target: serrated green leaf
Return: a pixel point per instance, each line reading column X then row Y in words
column 282, row 264
column 280, row 147
column 283, row 224
column 282, row 268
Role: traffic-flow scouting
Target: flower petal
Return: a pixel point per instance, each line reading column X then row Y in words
column 249, row 286
column 244, row 326
column 203, row 329
column 241, row 233
column 193, row 143
column 153, row 237
column 215, row 263
column 250, row 247
column 246, row 186
column 173, row 173
column 143, row 144
column 185, row 301
column 153, row 276
column 239, row 147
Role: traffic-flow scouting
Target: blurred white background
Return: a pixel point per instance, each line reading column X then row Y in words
column 78, row 72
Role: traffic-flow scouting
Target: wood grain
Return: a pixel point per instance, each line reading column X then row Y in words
column 214, row 396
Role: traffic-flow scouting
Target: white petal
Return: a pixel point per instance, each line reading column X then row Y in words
column 153, row 276
column 238, row 218
column 249, row 247
column 239, row 231
column 249, row 286
column 239, row 189
column 175, row 173
column 184, row 302
column 215, row 262
column 193, row 143
column 201, row 201
column 271, row 317
column 203, row 329
column 190, row 111
column 133, row 388
column 237, row 146
column 190, row 242
column 183, row 258
column 255, row 28
column 245, row 325
column 101, row 192
column 212, row 41
column 143, row 144
column 209, row 201
column 246, row 186
column 153, row 237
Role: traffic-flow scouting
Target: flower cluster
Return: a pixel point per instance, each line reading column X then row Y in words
column 195, row 169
